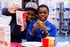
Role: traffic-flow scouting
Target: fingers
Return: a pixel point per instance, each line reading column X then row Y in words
column 36, row 25
column 25, row 25
column 40, row 22
column 43, row 27
column 22, row 29
column 15, row 7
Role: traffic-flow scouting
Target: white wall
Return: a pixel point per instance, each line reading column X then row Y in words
column 8, row 3
column 11, row 2
column 3, row 3
column 52, row 5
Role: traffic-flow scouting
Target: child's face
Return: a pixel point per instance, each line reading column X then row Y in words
column 43, row 14
column 30, row 15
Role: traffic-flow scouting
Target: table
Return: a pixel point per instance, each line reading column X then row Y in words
column 15, row 44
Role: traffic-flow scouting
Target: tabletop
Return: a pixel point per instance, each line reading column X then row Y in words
column 16, row 44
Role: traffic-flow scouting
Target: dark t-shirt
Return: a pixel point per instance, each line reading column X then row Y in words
column 15, row 29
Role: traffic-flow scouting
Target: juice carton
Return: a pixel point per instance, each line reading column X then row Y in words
column 4, row 36
column 21, row 18
column 5, row 31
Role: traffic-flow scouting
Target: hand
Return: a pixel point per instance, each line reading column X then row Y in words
column 13, row 8
column 43, row 27
column 36, row 25
column 23, row 28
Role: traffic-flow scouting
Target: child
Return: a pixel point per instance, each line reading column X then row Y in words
column 16, row 34
column 42, row 27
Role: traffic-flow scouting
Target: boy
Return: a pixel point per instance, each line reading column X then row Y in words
column 16, row 34
column 42, row 27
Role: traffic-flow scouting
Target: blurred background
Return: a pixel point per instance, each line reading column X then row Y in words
column 59, row 14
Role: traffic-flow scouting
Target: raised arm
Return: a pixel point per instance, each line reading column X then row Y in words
column 11, row 10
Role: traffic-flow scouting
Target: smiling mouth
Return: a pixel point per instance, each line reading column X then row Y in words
column 42, row 18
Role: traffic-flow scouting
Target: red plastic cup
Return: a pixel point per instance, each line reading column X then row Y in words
column 45, row 42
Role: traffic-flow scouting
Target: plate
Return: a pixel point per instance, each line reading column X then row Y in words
column 32, row 44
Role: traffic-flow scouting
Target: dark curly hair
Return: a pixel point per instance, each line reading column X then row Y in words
column 43, row 5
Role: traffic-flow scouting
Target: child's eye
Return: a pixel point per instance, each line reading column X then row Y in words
column 45, row 12
column 40, row 12
column 27, row 13
column 32, row 14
